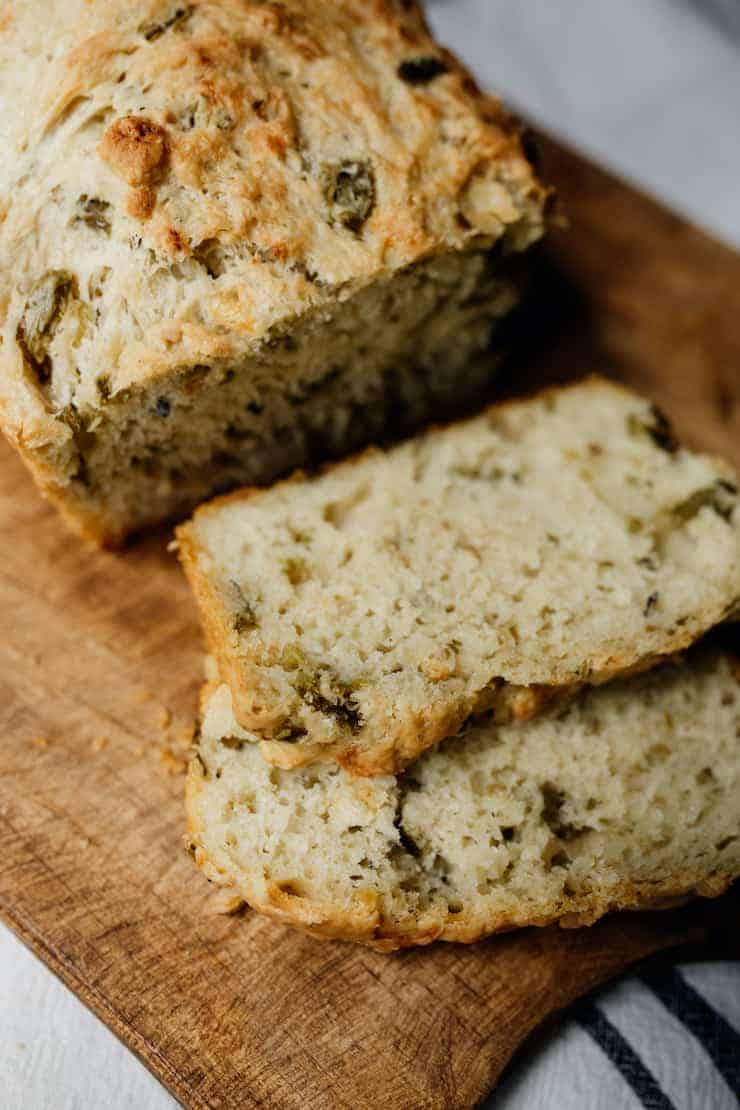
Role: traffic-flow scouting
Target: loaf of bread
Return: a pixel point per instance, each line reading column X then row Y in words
column 364, row 614
column 235, row 236
column 627, row 797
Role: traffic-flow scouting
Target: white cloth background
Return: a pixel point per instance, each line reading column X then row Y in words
column 652, row 89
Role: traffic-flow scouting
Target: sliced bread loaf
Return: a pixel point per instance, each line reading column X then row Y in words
column 364, row 614
column 235, row 237
column 629, row 796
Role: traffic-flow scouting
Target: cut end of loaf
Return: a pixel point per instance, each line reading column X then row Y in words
column 376, row 364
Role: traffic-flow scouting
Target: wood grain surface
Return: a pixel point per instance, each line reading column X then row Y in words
column 100, row 661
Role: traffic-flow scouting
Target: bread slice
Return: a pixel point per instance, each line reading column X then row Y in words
column 627, row 797
column 238, row 236
column 363, row 615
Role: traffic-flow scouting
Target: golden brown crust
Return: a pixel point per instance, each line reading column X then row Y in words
column 136, row 149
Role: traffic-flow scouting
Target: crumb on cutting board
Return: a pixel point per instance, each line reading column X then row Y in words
column 175, row 751
column 224, row 903
column 172, row 762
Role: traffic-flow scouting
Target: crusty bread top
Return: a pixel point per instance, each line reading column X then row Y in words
column 364, row 614
column 629, row 795
column 181, row 180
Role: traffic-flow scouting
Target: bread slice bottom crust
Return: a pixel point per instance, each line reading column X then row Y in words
column 628, row 798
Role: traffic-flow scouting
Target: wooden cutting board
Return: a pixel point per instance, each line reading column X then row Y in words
column 99, row 651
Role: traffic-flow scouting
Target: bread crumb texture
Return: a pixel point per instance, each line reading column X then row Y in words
column 628, row 797
column 232, row 230
column 364, row 614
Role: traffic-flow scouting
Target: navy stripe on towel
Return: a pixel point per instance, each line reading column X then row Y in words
column 715, row 1034
column 623, row 1056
